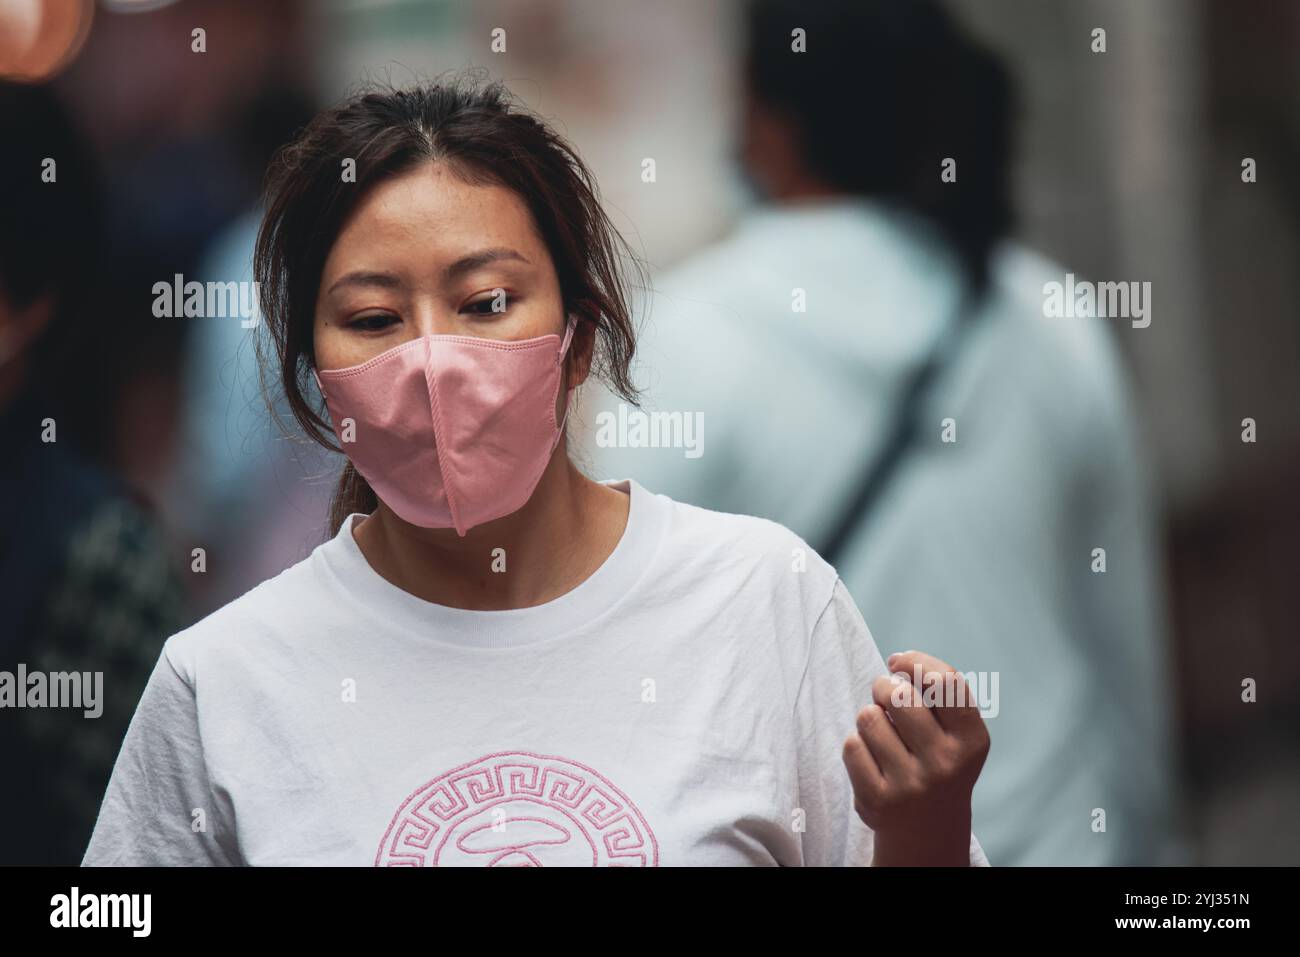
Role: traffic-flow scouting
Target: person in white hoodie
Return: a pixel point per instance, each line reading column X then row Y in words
column 866, row 359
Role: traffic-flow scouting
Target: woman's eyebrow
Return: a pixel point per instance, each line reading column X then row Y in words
column 382, row 280
column 473, row 261
column 466, row 264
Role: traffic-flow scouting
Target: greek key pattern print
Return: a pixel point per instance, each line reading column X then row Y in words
column 518, row 809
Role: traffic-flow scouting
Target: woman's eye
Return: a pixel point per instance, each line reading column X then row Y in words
column 372, row 323
column 493, row 305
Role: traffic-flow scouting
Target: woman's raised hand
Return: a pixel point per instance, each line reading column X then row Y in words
column 913, row 762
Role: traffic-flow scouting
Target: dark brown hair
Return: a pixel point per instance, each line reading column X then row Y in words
column 918, row 88
column 479, row 131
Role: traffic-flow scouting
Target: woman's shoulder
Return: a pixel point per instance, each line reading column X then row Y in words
column 272, row 616
column 714, row 546
column 749, row 534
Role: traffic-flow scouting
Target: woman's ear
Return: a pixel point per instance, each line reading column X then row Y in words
column 581, row 352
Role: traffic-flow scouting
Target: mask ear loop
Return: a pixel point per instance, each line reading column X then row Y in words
column 568, row 337
column 559, row 358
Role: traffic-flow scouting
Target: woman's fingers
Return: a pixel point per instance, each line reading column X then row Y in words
column 882, row 740
column 916, row 726
column 947, row 695
column 914, row 761
column 865, row 776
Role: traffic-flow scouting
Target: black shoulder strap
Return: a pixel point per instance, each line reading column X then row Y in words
column 902, row 433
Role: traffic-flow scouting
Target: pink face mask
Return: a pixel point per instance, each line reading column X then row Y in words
column 451, row 431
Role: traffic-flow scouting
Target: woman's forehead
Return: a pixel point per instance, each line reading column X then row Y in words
column 435, row 215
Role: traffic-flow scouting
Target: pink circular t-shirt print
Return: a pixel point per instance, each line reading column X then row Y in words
column 518, row 809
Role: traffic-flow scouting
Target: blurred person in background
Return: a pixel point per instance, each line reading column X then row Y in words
column 252, row 492
column 85, row 582
column 184, row 141
column 870, row 364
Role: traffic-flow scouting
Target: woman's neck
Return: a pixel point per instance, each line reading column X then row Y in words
column 555, row 542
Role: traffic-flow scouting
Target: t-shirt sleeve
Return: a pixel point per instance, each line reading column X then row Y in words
column 843, row 662
column 160, row 807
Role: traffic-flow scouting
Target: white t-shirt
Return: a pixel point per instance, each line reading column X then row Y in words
column 685, row 705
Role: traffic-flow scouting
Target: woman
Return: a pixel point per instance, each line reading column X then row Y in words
column 496, row 660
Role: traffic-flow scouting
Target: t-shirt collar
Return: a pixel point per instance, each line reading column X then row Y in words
column 611, row 584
